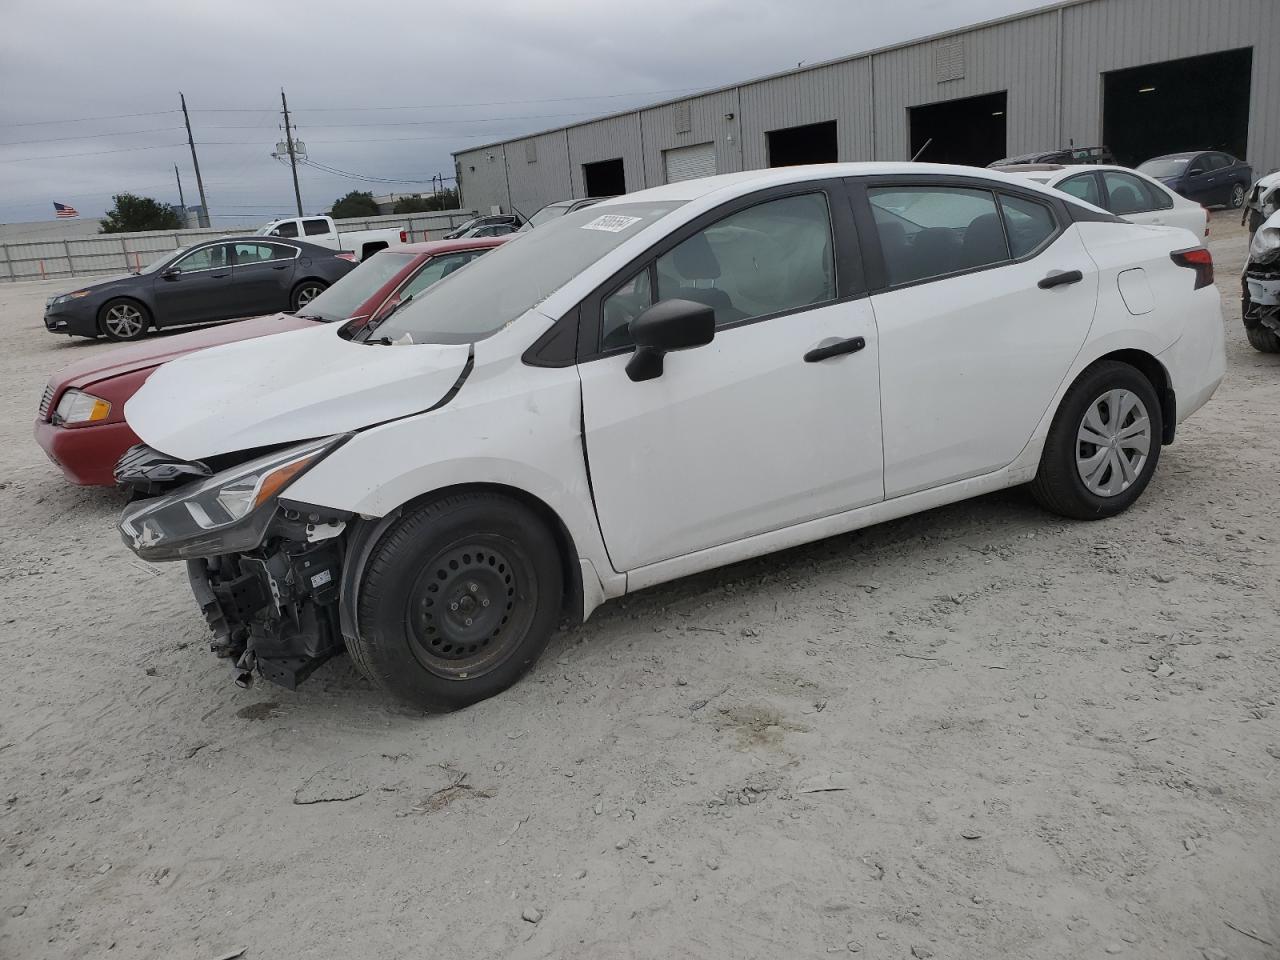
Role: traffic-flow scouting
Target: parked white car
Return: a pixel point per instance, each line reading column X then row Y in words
column 323, row 231
column 660, row 384
column 1128, row 194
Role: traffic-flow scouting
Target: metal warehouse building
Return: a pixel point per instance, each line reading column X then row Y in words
column 1144, row 77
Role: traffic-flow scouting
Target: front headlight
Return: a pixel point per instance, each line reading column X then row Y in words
column 1266, row 244
column 72, row 296
column 225, row 513
column 77, row 406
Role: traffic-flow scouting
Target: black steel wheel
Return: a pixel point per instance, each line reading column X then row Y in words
column 458, row 599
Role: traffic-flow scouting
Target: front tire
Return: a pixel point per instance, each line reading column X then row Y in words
column 1103, row 446
column 305, row 292
column 458, row 599
column 1262, row 339
column 123, row 320
column 1237, row 196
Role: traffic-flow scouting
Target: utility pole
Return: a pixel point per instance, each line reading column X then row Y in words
column 293, row 157
column 182, row 202
column 195, row 162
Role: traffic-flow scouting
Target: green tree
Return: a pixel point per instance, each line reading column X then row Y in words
column 132, row 213
column 355, row 204
column 444, row 200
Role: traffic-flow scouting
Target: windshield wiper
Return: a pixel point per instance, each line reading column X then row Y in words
column 374, row 324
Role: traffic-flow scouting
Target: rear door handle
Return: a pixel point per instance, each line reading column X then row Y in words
column 1060, row 279
column 835, row 348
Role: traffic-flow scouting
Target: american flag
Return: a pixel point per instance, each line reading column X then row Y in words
column 62, row 210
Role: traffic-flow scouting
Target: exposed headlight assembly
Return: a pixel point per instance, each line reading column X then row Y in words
column 76, row 406
column 225, row 513
column 1266, row 244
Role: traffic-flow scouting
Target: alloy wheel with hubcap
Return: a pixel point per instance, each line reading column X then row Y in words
column 123, row 321
column 1113, row 442
column 1103, row 445
column 305, row 294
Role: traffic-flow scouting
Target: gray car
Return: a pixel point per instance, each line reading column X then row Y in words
column 223, row 279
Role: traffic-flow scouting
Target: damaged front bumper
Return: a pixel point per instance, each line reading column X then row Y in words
column 1261, row 301
column 265, row 570
column 275, row 609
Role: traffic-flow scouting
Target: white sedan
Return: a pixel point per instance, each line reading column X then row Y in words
column 660, row 384
column 1127, row 193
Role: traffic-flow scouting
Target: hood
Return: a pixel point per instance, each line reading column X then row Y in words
column 97, row 283
column 292, row 387
column 161, row 349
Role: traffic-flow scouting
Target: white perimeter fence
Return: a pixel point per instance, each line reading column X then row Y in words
column 107, row 253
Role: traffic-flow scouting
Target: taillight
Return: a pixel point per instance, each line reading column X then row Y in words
column 1198, row 259
column 404, row 237
column 345, row 255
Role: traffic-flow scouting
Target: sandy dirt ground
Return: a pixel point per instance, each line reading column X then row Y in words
column 979, row 732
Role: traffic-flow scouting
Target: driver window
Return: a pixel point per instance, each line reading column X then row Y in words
column 767, row 259
column 621, row 307
column 206, row 258
column 288, row 229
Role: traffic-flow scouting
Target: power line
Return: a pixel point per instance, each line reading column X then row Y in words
column 437, row 106
column 325, row 168
column 412, row 123
column 117, row 116
column 92, row 153
column 90, row 136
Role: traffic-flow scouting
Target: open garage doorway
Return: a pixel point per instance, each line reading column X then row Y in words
column 1199, row 103
column 969, row 130
column 811, row 143
column 605, row 178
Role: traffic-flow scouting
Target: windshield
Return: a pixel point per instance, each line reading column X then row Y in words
column 477, row 302
column 1171, row 167
column 551, row 211
column 341, row 301
column 161, row 260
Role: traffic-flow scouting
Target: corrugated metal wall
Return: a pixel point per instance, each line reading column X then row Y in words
column 1050, row 63
column 1019, row 56
column 1110, row 35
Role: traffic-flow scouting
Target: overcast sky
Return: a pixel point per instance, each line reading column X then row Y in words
column 469, row 73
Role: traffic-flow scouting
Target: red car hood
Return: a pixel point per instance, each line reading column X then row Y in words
column 161, row 349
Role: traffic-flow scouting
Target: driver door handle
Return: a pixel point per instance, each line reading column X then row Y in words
column 835, row 348
column 1060, row 279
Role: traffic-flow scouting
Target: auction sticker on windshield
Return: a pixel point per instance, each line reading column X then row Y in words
column 611, row 223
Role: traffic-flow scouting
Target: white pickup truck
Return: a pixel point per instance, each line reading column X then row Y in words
column 321, row 230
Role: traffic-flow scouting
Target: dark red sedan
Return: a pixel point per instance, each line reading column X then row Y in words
column 80, row 423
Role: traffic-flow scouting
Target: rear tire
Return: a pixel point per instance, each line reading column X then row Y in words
column 1237, row 196
column 1262, row 339
column 123, row 320
column 305, row 292
column 458, row 600
column 1110, row 401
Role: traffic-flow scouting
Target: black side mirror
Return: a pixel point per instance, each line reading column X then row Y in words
column 666, row 326
column 172, row 273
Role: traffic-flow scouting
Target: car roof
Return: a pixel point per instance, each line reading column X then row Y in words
column 436, row 247
column 746, row 181
column 1184, row 155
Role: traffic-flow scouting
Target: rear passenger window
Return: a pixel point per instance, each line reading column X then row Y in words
column 767, row 259
column 314, row 228
column 932, row 231
column 1030, row 225
column 1084, row 187
column 1126, row 193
